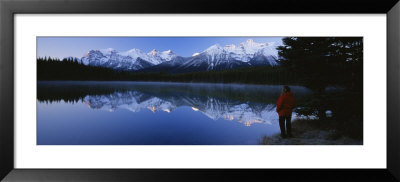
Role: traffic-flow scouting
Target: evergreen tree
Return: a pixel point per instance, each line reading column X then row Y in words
column 323, row 61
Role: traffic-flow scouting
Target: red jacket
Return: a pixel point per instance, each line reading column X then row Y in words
column 285, row 104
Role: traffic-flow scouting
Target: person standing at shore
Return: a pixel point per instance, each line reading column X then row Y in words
column 284, row 107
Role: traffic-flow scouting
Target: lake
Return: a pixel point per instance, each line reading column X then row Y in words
column 157, row 113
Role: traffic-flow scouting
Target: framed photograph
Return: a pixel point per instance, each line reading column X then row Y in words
column 152, row 90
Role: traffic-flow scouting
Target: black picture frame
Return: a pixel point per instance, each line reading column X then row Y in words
column 9, row 8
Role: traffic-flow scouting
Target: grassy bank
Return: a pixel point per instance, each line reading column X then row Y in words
column 316, row 132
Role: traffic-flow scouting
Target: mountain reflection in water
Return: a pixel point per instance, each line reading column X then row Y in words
column 214, row 108
column 246, row 104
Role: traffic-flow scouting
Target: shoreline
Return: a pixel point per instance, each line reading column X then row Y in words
column 174, row 82
column 306, row 133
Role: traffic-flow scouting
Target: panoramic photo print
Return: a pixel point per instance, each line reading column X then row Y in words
column 199, row 90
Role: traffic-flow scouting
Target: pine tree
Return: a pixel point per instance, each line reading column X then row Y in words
column 323, row 61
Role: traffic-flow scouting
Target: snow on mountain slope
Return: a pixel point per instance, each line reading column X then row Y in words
column 244, row 52
column 133, row 59
column 215, row 57
column 160, row 57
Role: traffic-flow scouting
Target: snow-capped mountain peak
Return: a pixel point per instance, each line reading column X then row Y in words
column 195, row 54
column 251, row 47
column 153, row 52
column 159, row 57
column 251, row 43
column 168, row 51
column 214, row 49
column 107, row 51
column 230, row 47
column 168, row 55
column 133, row 53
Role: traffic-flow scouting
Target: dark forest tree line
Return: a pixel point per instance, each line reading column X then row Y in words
column 72, row 69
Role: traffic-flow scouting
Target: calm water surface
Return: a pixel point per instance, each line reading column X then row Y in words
column 156, row 113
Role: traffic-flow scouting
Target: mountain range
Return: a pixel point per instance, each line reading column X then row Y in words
column 215, row 57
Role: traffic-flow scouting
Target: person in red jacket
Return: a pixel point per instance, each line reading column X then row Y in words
column 284, row 106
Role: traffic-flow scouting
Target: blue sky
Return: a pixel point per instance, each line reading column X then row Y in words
column 61, row 47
